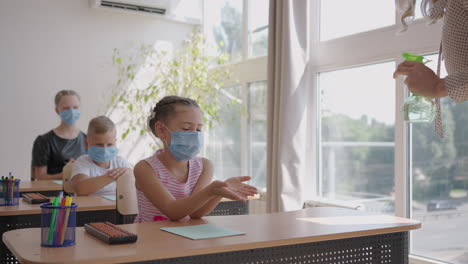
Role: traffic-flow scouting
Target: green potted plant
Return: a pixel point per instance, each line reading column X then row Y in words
column 148, row 74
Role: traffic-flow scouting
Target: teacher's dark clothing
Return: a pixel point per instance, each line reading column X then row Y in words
column 54, row 152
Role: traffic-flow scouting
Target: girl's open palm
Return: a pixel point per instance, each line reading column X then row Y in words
column 234, row 188
column 237, row 185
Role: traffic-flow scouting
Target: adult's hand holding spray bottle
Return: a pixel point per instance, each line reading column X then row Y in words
column 417, row 108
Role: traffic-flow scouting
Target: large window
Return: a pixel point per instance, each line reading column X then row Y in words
column 237, row 145
column 367, row 153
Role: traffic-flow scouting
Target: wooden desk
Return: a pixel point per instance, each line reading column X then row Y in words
column 90, row 209
column 224, row 207
column 85, row 204
column 45, row 187
column 324, row 235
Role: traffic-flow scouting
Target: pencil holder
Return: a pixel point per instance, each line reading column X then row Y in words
column 58, row 225
column 9, row 192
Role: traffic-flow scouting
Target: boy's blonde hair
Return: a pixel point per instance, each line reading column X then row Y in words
column 100, row 125
column 62, row 93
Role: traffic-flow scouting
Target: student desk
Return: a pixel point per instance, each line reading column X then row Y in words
column 90, row 209
column 322, row 235
column 224, row 207
column 44, row 187
column 230, row 207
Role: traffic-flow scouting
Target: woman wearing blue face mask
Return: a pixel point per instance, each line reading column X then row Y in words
column 175, row 183
column 54, row 149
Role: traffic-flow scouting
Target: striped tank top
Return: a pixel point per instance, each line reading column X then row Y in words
column 147, row 212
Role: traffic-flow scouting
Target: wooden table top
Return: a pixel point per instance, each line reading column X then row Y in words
column 37, row 186
column 262, row 230
column 85, row 203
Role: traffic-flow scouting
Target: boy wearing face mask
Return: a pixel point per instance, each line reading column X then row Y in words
column 96, row 172
column 65, row 143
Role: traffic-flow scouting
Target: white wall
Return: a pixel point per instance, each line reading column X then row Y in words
column 49, row 45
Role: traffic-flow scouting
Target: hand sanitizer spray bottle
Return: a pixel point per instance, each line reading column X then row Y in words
column 417, row 108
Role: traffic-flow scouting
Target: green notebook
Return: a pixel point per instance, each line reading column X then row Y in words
column 109, row 197
column 202, row 231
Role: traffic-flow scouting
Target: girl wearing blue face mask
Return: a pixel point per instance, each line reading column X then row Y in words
column 65, row 143
column 175, row 183
column 96, row 172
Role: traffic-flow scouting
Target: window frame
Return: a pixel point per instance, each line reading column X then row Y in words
column 332, row 55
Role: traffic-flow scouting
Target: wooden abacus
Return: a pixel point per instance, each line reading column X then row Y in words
column 110, row 233
column 35, row 198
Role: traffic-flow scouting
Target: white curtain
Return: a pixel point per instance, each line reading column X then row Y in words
column 288, row 101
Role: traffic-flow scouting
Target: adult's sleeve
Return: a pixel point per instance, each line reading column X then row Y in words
column 465, row 4
column 456, row 85
column 40, row 152
column 437, row 10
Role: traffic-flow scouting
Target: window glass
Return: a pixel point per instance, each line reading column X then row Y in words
column 223, row 22
column 340, row 18
column 223, row 146
column 258, row 132
column 258, row 28
column 357, row 135
column 440, row 184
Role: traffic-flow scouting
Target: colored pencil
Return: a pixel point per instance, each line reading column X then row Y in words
column 52, row 221
column 58, row 234
column 12, row 189
column 4, row 190
column 65, row 222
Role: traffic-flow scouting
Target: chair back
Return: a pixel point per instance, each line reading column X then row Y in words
column 126, row 195
column 33, row 174
column 67, row 185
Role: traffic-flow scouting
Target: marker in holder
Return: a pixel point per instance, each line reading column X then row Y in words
column 58, row 224
column 9, row 191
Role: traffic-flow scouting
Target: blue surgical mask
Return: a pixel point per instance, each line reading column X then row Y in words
column 185, row 144
column 102, row 154
column 69, row 116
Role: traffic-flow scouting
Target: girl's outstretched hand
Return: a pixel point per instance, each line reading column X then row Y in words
column 237, row 185
column 234, row 188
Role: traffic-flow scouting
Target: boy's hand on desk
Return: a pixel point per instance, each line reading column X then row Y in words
column 117, row 172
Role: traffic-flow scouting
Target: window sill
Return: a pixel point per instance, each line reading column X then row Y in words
column 420, row 260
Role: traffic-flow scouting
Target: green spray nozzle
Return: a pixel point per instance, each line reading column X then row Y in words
column 414, row 57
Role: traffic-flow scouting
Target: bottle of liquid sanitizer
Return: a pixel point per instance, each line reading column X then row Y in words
column 417, row 108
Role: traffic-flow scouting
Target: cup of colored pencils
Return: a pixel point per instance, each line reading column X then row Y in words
column 58, row 222
column 9, row 191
